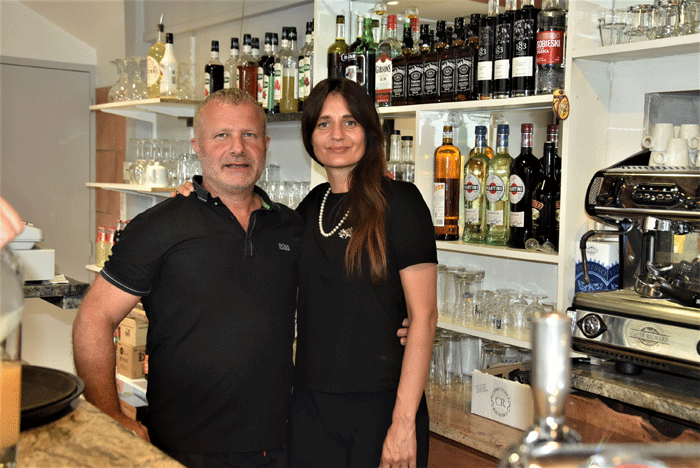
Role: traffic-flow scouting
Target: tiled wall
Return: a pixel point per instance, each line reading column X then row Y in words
column 111, row 154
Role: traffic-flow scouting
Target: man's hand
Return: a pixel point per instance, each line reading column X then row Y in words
column 184, row 189
column 403, row 332
column 134, row 426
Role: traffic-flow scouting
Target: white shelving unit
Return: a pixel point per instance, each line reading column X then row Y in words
column 133, row 189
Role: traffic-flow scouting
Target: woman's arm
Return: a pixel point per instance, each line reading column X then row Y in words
column 419, row 284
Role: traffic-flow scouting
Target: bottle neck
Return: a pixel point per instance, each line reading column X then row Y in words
column 527, row 3
column 526, row 142
column 552, row 5
column 215, row 55
column 549, row 153
column 493, row 7
column 309, row 38
column 502, row 143
column 480, row 142
column 360, row 27
column 339, row 32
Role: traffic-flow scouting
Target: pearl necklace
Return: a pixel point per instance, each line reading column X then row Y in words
column 320, row 218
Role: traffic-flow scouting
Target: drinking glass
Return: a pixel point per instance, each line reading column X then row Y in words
column 534, row 309
column 185, row 87
column 641, row 23
column 518, row 306
column 118, row 91
column 136, row 89
column 450, row 291
column 452, row 351
column 471, row 356
column 437, row 364
column 690, row 14
column 441, row 278
column 482, row 306
column 492, row 353
column 612, row 25
column 668, row 18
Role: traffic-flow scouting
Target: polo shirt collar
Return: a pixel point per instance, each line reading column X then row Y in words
column 204, row 196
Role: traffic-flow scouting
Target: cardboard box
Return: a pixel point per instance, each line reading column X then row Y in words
column 39, row 264
column 130, row 360
column 603, row 260
column 133, row 330
column 495, row 397
column 132, row 406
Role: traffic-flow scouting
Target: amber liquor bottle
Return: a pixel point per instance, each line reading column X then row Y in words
column 446, row 188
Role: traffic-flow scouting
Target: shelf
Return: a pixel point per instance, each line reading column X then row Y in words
column 147, row 109
column 133, row 189
column 656, row 48
column 520, row 103
column 519, row 339
column 500, row 252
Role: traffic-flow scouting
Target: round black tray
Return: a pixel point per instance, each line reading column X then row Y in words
column 47, row 394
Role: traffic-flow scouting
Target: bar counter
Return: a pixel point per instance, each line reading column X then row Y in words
column 87, row 437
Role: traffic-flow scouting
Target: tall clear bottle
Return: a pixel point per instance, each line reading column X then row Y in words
column 525, row 173
column 231, row 66
column 387, row 50
column 497, row 199
column 290, row 73
column 168, row 69
column 524, row 49
column 248, row 68
column 338, row 51
column 487, row 39
column 551, row 29
column 366, row 56
column 546, row 201
column 474, row 189
column 306, row 62
column 213, row 72
column 503, row 52
column 446, row 188
column 155, row 54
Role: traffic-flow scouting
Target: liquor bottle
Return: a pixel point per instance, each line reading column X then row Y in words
column 290, row 73
column 168, row 69
column 231, row 66
column 447, row 65
column 306, row 62
column 255, row 48
column 359, row 28
column 399, row 92
column 545, row 202
column 261, row 82
column 366, row 57
column 473, row 37
column 463, row 62
column 553, row 136
column 524, row 50
column 155, row 54
column 387, row 51
column 394, row 164
column 376, row 32
column 446, row 188
column 213, row 71
column 277, row 85
column 338, row 51
column 269, row 79
column 408, row 165
column 551, row 26
column 415, row 27
column 248, row 68
column 497, row 199
column 525, row 173
column 487, row 38
column 414, row 70
column 431, row 71
column 474, row 189
column 503, row 52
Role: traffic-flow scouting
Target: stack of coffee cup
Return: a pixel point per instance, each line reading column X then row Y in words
column 675, row 146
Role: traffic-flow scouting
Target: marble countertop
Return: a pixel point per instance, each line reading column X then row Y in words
column 64, row 295
column 87, row 437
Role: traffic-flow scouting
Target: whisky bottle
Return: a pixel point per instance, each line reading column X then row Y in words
column 503, row 52
column 524, row 49
column 473, row 37
column 431, row 71
column 399, row 92
column 414, row 70
column 338, row 51
column 497, row 199
column 487, row 39
column 447, row 65
column 231, row 66
column 474, row 184
column 213, row 72
column 446, row 188
column 155, row 54
column 545, row 202
column 525, row 173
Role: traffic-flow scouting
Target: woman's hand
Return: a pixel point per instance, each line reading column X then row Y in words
column 403, row 332
column 184, row 189
column 400, row 446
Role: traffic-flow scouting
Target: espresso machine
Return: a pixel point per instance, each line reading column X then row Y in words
column 653, row 320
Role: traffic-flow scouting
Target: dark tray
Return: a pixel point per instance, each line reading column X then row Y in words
column 47, row 394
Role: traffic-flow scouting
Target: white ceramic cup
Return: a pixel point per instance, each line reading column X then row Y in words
column 691, row 133
column 676, row 153
column 157, row 175
column 658, row 140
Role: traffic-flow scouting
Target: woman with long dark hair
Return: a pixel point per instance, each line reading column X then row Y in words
column 368, row 260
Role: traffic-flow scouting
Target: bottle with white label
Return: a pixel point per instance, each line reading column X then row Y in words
column 168, row 69
column 551, row 29
column 155, row 54
column 474, row 182
column 446, row 188
column 496, row 190
column 525, row 173
column 231, row 66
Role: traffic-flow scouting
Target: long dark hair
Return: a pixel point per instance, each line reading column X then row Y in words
column 365, row 195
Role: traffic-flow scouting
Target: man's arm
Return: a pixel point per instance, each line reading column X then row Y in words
column 101, row 311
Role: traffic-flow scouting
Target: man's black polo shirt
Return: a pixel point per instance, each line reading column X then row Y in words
column 220, row 304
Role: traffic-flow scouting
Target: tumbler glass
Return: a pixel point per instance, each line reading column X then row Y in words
column 471, row 356
column 668, row 18
column 452, row 351
column 690, row 17
column 641, row 23
column 450, row 291
column 482, row 306
column 612, row 25
column 437, row 364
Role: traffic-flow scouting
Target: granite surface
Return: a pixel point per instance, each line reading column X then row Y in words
column 86, row 437
column 668, row 394
column 64, row 295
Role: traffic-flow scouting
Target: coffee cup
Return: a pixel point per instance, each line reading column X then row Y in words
column 676, row 153
column 658, row 140
column 691, row 132
column 156, row 175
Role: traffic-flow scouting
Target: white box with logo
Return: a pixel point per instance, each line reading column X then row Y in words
column 495, row 397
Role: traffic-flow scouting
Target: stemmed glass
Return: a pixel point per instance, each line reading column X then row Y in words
column 118, row 91
column 137, row 89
